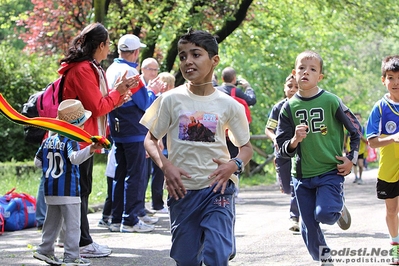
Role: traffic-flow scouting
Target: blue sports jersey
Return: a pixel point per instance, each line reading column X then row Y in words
column 384, row 121
column 61, row 176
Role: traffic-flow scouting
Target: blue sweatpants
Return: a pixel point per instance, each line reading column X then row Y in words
column 202, row 226
column 129, row 183
column 320, row 200
column 283, row 169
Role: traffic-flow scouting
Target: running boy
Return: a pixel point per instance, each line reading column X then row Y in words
column 200, row 176
column 311, row 129
column 59, row 158
column 382, row 132
column 283, row 165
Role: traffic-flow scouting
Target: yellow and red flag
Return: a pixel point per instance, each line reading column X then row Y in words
column 52, row 124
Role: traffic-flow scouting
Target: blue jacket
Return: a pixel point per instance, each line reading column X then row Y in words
column 124, row 120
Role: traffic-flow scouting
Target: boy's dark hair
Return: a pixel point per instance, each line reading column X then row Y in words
column 310, row 54
column 390, row 63
column 201, row 39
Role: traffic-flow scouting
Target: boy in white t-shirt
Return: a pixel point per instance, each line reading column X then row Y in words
column 200, row 176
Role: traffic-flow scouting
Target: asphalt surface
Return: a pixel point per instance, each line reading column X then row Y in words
column 262, row 234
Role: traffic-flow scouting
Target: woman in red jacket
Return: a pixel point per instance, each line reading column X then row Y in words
column 85, row 80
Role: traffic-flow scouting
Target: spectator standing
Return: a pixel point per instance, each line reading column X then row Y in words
column 59, row 157
column 157, row 182
column 149, row 73
column 128, row 135
column 383, row 133
column 85, row 80
column 199, row 174
column 230, row 81
column 283, row 165
column 110, row 175
column 149, row 70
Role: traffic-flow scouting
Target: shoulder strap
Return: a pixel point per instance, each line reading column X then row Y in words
column 233, row 92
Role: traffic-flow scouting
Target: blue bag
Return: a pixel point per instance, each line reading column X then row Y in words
column 18, row 210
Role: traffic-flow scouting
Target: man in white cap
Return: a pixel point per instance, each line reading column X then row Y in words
column 128, row 136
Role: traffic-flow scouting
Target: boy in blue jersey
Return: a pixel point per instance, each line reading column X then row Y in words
column 283, row 165
column 311, row 129
column 199, row 175
column 59, row 158
column 383, row 132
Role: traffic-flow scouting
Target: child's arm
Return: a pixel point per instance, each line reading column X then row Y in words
column 224, row 171
column 172, row 173
column 379, row 141
column 288, row 135
column 79, row 156
column 350, row 122
column 37, row 162
column 38, row 158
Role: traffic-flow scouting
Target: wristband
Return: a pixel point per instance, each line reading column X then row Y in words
column 238, row 162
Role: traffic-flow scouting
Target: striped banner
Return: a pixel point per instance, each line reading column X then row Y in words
column 52, row 124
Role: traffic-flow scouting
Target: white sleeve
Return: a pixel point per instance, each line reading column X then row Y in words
column 78, row 157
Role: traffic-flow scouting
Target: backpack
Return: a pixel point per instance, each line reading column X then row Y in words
column 45, row 104
column 243, row 102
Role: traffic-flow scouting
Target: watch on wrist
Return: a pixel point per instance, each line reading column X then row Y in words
column 238, row 162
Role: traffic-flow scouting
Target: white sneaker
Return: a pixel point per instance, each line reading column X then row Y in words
column 164, row 210
column 294, row 225
column 149, row 220
column 149, row 212
column 94, row 250
column 140, row 227
column 115, row 227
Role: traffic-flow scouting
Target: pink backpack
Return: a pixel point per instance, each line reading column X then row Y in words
column 48, row 102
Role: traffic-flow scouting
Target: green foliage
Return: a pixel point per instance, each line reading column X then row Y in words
column 20, row 76
column 9, row 12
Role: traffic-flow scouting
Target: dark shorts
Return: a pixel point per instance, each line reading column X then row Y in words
column 387, row 190
column 360, row 156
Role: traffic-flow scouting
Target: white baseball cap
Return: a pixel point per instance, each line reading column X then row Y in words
column 130, row 42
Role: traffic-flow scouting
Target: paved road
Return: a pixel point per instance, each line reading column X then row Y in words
column 262, row 233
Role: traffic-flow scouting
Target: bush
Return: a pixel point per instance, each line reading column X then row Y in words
column 21, row 75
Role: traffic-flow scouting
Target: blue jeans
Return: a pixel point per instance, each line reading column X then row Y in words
column 41, row 206
column 320, row 200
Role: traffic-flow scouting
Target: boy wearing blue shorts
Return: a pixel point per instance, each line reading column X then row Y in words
column 199, row 175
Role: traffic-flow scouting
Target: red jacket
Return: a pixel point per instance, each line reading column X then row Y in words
column 82, row 83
